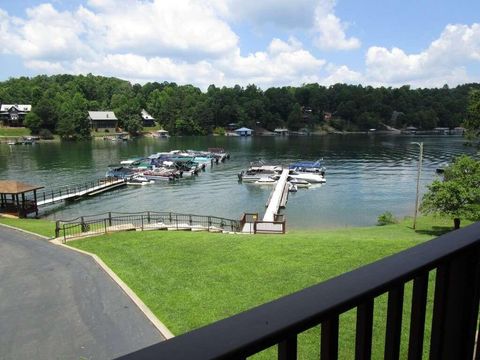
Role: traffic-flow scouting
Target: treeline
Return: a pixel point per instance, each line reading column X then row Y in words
column 60, row 104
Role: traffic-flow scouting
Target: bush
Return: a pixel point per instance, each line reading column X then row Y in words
column 219, row 131
column 386, row 218
column 45, row 134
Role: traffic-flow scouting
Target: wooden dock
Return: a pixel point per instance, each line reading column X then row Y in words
column 90, row 189
column 278, row 198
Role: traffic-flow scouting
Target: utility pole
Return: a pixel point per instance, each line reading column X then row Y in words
column 419, row 171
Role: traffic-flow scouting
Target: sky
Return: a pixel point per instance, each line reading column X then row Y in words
column 421, row 43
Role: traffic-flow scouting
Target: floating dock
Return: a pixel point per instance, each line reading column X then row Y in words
column 89, row 189
column 278, row 197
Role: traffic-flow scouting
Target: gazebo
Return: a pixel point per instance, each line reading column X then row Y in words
column 13, row 198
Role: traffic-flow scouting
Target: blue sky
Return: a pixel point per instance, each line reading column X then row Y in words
column 423, row 43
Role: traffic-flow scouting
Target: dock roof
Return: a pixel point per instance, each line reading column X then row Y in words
column 16, row 187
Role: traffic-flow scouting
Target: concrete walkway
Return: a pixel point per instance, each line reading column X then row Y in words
column 58, row 304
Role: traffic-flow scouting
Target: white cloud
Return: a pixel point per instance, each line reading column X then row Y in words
column 444, row 61
column 330, row 30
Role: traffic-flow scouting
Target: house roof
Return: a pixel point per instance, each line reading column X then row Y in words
column 244, row 129
column 7, row 107
column 102, row 115
column 146, row 115
column 16, row 187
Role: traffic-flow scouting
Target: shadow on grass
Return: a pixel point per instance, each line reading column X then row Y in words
column 435, row 230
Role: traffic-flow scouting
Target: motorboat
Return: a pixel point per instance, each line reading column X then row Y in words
column 257, row 171
column 138, row 179
column 299, row 183
column 314, row 167
column 266, row 181
column 312, row 178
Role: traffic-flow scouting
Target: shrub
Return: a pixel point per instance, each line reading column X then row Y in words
column 386, row 218
column 45, row 134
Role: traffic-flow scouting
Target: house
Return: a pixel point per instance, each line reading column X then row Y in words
column 243, row 131
column 147, row 119
column 281, row 131
column 442, row 130
column 458, row 130
column 13, row 115
column 103, row 121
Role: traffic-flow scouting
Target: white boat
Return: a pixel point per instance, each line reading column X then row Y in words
column 310, row 177
column 139, row 180
column 259, row 171
column 299, row 183
column 266, row 181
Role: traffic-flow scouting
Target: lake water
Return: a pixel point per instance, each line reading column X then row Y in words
column 366, row 175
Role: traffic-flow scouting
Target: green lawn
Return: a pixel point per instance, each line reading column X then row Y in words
column 37, row 226
column 192, row 279
column 14, row 131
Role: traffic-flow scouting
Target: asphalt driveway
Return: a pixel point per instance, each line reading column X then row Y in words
column 59, row 304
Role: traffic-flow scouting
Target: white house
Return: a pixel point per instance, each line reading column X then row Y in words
column 13, row 114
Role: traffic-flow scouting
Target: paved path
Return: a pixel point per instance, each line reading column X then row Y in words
column 58, row 304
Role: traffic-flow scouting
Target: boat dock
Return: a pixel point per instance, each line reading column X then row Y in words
column 278, row 197
column 88, row 189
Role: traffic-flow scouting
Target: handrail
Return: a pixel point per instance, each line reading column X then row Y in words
column 455, row 255
column 112, row 221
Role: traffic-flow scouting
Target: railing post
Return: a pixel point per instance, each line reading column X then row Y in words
column 82, row 224
column 455, row 310
column 176, row 220
column 109, row 218
column 190, row 220
column 142, row 221
column 105, row 225
column 148, row 216
column 57, row 228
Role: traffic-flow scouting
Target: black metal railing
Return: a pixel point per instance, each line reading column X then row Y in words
column 148, row 220
column 455, row 260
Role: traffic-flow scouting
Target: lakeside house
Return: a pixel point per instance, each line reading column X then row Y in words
column 105, row 121
column 147, row 119
column 13, row 114
column 243, row 131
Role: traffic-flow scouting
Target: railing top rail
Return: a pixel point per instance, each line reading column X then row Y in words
column 101, row 216
column 253, row 330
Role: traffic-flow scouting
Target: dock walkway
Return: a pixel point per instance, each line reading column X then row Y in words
column 278, row 197
column 93, row 188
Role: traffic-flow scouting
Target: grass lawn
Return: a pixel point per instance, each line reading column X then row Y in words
column 192, row 279
column 14, row 131
column 37, row 226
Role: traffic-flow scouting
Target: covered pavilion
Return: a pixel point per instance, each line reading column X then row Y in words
column 16, row 198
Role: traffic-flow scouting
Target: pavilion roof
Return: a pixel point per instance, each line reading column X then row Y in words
column 16, row 187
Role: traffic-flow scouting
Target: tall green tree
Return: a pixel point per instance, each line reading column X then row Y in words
column 458, row 195
column 472, row 122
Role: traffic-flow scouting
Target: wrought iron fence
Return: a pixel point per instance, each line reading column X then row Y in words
column 454, row 260
column 149, row 220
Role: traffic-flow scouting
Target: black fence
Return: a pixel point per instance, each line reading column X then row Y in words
column 148, row 220
column 454, row 259
column 250, row 223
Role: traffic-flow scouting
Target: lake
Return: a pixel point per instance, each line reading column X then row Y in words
column 366, row 175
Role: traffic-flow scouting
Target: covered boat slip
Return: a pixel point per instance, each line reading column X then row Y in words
column 18, row 199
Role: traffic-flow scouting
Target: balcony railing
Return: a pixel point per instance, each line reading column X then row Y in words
column 455, row 260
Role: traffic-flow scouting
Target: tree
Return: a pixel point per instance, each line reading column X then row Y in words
column 472, row 123
column 458, row 195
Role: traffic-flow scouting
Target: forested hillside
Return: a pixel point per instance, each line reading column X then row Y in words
column 60, row 104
